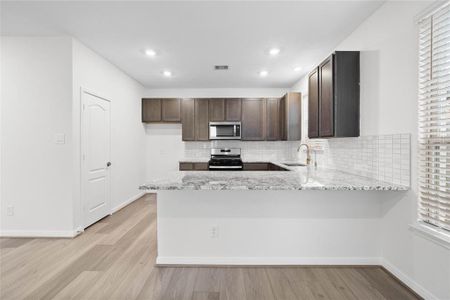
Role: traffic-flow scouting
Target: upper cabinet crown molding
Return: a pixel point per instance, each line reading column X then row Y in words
column 334, row 97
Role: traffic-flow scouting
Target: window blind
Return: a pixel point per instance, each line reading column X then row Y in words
column 434, row 119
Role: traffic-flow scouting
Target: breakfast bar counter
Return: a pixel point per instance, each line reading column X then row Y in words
column 297, row 178
column 299, row 216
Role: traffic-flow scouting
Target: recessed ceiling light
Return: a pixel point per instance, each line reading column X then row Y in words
column 297, row 69
column 274, row 51
column 263, row 73
column 167, row 73
column 150, row 52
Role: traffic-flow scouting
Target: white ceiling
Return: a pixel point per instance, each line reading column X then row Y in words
column 192, row 37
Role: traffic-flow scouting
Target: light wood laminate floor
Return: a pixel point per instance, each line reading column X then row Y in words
column 114, row 259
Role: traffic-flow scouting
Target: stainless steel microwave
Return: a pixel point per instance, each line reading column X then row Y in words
column 224, row 130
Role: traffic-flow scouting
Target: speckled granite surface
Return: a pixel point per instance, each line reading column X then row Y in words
column 298, row 178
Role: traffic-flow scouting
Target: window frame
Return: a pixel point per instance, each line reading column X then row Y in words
column 432, row 232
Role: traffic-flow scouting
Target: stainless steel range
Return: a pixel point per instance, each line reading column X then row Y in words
column 225, row 159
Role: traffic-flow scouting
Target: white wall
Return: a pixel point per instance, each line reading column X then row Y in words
column 41, row 78
column 269, row 227
column 388, row 44
column 98, row 76
column 36, row 100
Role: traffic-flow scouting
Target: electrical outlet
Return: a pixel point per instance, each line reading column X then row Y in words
column 214, row 233
column 10, row 210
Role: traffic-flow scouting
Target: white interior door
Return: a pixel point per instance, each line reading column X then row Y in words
column 96, row 135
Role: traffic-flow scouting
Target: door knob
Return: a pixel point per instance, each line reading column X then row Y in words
column 108, row 164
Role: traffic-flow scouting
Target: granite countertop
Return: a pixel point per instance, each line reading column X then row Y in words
column 298, row 178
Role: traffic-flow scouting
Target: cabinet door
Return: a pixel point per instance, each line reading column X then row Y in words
column 201, row 166
column 171, row 110
column 326, row 102
column 216, row 110
column 186, row 166
column 273, row 120
column 253, row 119
column 255, row 166
column 294, row 113
column 233, row 108
column 283, row 118
column 201, row 120
column 188, row 119
column 151, row 110
column 313, row 104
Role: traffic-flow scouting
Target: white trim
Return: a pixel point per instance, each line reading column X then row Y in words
column 408, row 281
column 427, row 232
column 265, row 261
column 127, row 202
column 39, row 234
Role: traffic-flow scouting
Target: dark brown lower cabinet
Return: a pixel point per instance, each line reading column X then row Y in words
column 253, row 119
column 193, row 166
column 188, row 119
column 201, row 120
column 201, row 166
column 262, row 166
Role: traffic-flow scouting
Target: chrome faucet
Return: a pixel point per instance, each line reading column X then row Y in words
column 308, row 152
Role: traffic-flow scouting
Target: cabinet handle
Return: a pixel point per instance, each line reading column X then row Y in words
column 108, row 164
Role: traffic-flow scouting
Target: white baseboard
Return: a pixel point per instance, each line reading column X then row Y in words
column 39, row 234
column 265, row 261
column 128, row 201
column 408, row 281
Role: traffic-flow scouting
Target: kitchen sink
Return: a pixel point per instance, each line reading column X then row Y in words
column 294, row 164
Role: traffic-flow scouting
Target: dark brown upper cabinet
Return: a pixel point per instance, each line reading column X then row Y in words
column 171, row 110
column 201, row 119
column 253, row 119
column 273, row 119
column 326, row 103
column 216, row 110
column 313, row 104
column 161, row 110
column 291, row 117
column 233, row 109
column 338, row 97
column 188, row 119
column 151, row 110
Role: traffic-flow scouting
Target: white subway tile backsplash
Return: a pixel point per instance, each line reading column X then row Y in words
column 384, row 157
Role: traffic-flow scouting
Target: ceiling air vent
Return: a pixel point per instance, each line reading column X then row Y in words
column 221, row 67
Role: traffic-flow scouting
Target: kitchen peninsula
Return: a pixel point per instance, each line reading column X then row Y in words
column 301, row 216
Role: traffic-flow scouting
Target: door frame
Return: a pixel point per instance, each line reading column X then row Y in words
column 83, row 131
